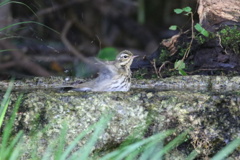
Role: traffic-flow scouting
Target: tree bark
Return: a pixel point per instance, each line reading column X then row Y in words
column 213, row 13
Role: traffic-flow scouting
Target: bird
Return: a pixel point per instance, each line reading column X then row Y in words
column 113, row 75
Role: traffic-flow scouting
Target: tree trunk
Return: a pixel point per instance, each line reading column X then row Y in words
column 213, row 13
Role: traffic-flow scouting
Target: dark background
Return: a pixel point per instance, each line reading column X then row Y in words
column 96, row 24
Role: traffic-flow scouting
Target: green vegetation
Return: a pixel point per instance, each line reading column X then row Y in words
column 180, row 64
column 9, row 146
column 164, row 55
column 201, row 30
column 108, row 53
column 140, row 73
column 27, row 22
column 230, row 38
column 4, row 104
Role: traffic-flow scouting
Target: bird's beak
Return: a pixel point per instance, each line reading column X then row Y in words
column 135, row 56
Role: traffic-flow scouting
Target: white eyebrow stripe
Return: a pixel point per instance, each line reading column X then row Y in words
column 124, row 55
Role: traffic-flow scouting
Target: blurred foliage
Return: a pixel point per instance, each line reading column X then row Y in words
column 108, row 53
column 164, row 55
column 141, row 11
column 173, row 27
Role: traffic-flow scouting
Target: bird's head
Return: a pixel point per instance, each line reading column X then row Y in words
column 125, row 58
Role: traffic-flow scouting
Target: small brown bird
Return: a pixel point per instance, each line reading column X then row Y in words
column 113, row 75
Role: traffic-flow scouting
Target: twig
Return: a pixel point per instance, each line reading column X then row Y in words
column 7, row 65
column 72, row 49
column 192, row 37
column 155, row 67
column 80, row 26
column 99, row 42
column 22, row 61
column 55, row 8
column 161, row 67
column 220, row 43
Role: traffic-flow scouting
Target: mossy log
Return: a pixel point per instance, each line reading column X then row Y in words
column 181, row 103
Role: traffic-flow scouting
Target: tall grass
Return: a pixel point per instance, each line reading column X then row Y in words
column 4, row 103
column 6, row 2
column 9, row 144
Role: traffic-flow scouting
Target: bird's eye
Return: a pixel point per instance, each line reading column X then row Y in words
column 124, row 56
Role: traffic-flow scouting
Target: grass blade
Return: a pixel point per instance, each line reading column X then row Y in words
column 175, row 142
column 18, row 149
column 12, row 147
column 227, row 150
column 5, row 101
column 16, row 2
column 61, row 142
column 151, row 149
column 120, row 154
column 77, row 139
column 27, row 22
column 87, row 148
column 192, row 155
column 7, row 130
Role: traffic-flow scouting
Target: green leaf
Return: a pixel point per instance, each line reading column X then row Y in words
column 173, row 27
column 179, row 65
column 178, row 10
column 223, row 31
column 187, row 9
column 182, row 72
column 201, row 30
column 108, row 53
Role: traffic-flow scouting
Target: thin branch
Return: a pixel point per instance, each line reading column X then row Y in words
column 155, row 67
column 55, row 8
column 192, row 37
column 100, row 47
column 7, row 65
column 72, row 49
column 22, row 61
column 161, row 67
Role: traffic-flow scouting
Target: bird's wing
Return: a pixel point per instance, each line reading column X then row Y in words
column 106, row 68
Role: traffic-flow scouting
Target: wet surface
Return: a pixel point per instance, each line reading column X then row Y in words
column 178, row 83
